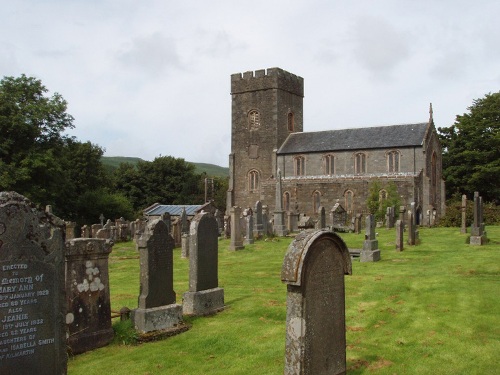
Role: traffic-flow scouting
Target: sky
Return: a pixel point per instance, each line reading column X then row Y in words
column 151, row 78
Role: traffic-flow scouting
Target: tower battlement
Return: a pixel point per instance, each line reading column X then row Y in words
column 274, row 78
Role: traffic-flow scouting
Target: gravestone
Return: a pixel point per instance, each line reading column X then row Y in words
column 357, row 224
column 259, row 226
column 477, row 233
column 88, row 317
column 400, row 227
column 389, row 217
column 94, row 229
column 249, row 225
column 32, row 297
column 313, row 269
column 227, row 226
column 157, row 308
column 370, row 252
column 185, row 245
column 402, row 211
column 236, row 237
column 411, row 229
column 279, row 215
column 322, row 217
column 338, row 216
column 265, row 221
column 204, row 296
column 463, row 228
column 86, row 232
column 70, row 230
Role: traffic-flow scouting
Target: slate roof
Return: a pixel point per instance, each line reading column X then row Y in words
column 174, row 210
column 407, row 135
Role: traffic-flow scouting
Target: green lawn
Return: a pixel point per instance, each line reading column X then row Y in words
column 431, row 309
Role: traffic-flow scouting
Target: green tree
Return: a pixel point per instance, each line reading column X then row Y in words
column 471, row 150
column 382, row 196
column 31, row 138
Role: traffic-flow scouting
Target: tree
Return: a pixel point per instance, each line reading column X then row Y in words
column 31, row 138
column 382, row 196
column 471, row 150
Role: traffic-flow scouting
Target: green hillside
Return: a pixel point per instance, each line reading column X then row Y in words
column 112, row 162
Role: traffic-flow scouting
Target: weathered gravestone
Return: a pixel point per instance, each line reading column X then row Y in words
column 204, row 296
column 265, row 221
column 157, row 308
column 389, row 217
column 411, row 229
column 248, row 216
column 477, row 233
column 370, row 252
column 88, row 315
column 357, row 224
column 463, row 228
column 400, row 227
column 236, row 237
column 259, row 226
column 279, row 226
column 70, row 230
column 314, row 269
column 32, row 298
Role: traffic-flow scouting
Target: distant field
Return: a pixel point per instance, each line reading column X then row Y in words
column 431, row 309
column 212, row 170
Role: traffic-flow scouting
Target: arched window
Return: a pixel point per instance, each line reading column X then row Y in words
column 393, row 161
column 360, row 163
column 348, row 200
column 299, row 165
column 291, row 121
column 286, row 201
column 329, row 164
column 253, row 119
column 316, row 201
column 253, row 181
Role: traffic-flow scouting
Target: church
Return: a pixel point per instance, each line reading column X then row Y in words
column 325, row 167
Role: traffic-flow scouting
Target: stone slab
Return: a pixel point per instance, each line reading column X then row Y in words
column 369, row 256
column 204, row 302
column 157, row 318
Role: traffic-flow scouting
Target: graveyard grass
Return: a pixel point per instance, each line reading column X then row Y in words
column 431, row 309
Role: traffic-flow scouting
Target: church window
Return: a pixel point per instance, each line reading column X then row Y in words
column 291, row 121
column 253, row 181
column 360, row 163
column 299, row 165
column 329, row 164
column 316, row 201
column 253, row 119
column 348, row 196
column 393, row 161
column 286, row 201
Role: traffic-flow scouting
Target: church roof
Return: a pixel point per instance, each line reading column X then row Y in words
column 408, row 135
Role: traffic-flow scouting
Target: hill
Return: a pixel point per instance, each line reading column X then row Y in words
column 212, row 170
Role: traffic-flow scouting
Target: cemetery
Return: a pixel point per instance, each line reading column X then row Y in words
column 101, row 305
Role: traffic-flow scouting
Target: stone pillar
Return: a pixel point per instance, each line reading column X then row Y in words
column 265, row 220
column 400, row 227
column 236, row 238
column 259, row 226
column 249, row 225
column 204, row 296
column 314, row 266
column 32, row 261
column 279, row 215
column 185, row 245
column 157, row 308
column 370, row 252
column 411, row 229
column 477, row 235
column 87, row 294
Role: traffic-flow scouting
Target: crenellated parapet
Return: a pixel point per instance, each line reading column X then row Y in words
column 274, row 78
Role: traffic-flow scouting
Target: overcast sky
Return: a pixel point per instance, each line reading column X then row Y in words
column 149, row 78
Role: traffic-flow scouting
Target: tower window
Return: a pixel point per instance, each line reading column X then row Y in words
column 329, row 164
column 286, row 201
column 299, row 165
column 360, row 163
column 291, row 122
column 253, row 181
column 253, row 119
column 393, row 161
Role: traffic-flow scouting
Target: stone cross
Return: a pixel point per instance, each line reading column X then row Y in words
column 236, row 237
column 314, row 268
column 33, row 334
column 204, row 296
column 157, row 308
column 370, row 252
column 87, row 291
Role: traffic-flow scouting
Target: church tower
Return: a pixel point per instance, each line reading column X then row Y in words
column 266, row 108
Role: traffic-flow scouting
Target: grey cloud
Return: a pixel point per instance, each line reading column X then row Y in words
column 151, row 54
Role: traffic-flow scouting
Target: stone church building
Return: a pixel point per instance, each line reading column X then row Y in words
column 325, row 167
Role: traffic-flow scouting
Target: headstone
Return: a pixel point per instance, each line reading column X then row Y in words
column 357, row 224
column 402, row 211
column 313, row 269
column 249, row 225
column 157, row 308
column 389, row 217
column 86, row 233
column 227, row 226
column 463, row 228
column 279, row 215
column 338, row 216
column 70, row 230
column 236, row 237
column 400, row 227
column 370, row 252
column 259, row 226
column 32, row 296
column 185, row 245
column 88, row 315
column 95, row 228
column 265, row 221
column 411, row 229
column 322, row 217
column 477, row 234
column 204, row 296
